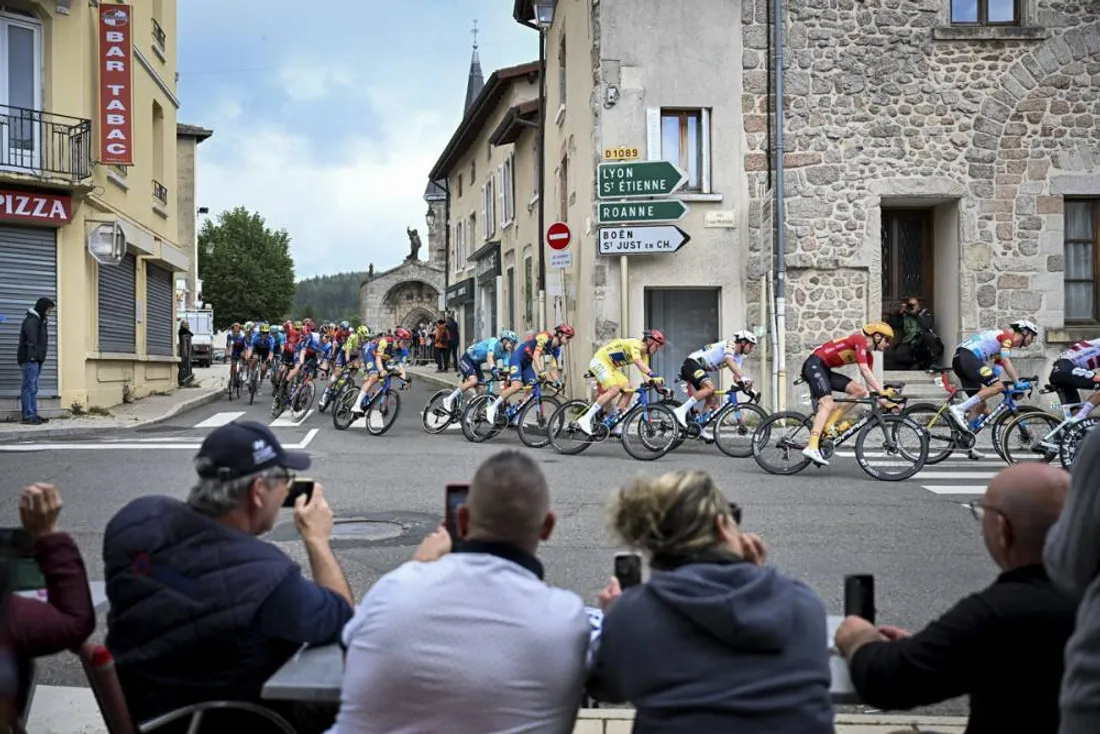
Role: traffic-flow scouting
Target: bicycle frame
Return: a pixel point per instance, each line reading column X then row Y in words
column 1008, row 403
column 1068, row 410
column 873, row 417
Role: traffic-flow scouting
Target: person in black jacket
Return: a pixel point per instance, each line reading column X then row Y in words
column 33, row 342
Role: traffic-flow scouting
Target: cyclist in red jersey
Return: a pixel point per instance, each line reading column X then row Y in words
column 817, row 371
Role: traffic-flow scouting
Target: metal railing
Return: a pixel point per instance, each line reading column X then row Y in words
column 159, row 36
column 45, row 142
column 160, row 192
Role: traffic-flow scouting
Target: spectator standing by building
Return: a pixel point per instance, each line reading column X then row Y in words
column 184, row 341
column 442, row 346
column 471, row 641
column 34, row 342
column 454, row 339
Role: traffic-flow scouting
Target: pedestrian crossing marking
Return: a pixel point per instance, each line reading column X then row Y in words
column 956, row 474
column 286, row 420
column 220, row 419
column 975, row 489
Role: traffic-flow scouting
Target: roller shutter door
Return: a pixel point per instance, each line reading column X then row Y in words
column 28, row 271
column 159, row 323
column 117, row 331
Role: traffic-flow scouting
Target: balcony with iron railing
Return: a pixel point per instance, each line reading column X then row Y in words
column 45, row 144
column 160, row 192
column 160, row 39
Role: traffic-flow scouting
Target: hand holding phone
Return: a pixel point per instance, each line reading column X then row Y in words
column 297, row 489
column 454, row 497
column 628, row 569
column 859, row 596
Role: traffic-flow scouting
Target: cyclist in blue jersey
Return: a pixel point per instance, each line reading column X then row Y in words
column 380, row 357
column 260, row 349
column 494, row 352
column 235, row 345
column 525, row 366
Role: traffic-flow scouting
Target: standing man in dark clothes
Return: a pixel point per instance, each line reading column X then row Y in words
column 453, row 340
column 1002, row 646
column 34, row 340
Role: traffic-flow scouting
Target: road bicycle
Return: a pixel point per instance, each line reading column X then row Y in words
column 253, row 381
column 297, row 395
column 344, row 386
column 1040, row 436
column 234, row 384
column 380, row 410
column 731, row 424
column 337, row 387
column 437, row 418
column 879, row 435
column 530, row 416
column 944, row 436
column 646, row 429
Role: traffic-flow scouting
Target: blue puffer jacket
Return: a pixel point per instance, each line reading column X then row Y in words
column 184, row 592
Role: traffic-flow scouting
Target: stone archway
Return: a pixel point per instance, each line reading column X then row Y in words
column 405, row 299
column 418, row 315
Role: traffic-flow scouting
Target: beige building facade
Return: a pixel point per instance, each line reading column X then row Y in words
column 188, row 139
column 87, row 163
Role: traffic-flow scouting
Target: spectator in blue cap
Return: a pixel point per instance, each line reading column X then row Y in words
column 202, row 609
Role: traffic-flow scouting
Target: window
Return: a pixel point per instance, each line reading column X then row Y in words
column 985, row 12
column 473, row 172
column 460, row 184
column 488, row 209
column 158, row 150
column 536, row 166
column 456, row 246
column 471, row 227
column 506, row 196
column 529, row 292
column 159, row 37
column 1082, row 244
column 563, row 189
column 20, row 93
column 561, row 72
column 684, row 141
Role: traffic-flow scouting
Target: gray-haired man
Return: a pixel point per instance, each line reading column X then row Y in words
column 203, row 610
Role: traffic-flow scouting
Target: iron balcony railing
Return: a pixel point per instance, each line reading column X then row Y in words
column 45, row 143
column 160, row 192
column 159, row 37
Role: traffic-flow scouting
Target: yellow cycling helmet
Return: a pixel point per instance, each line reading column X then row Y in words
column 879, row 327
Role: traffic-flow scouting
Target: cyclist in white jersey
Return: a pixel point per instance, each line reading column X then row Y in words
column 980, row 380
column 1078, row 368
column 711, row 358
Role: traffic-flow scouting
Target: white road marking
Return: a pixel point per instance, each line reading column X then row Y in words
column 955, row 488
column 286, row 421
column 305, row 441
column 929, row 475
column 220, row 419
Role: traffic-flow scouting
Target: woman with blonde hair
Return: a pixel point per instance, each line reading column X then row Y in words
column 714, row 641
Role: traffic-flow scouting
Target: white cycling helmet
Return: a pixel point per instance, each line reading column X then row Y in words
column 744, row 336
column 1025, row 325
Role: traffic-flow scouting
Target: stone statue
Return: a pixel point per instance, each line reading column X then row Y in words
column 370, row 273
column 414, row 244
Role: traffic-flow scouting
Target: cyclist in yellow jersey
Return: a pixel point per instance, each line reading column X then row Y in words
column 607, row 364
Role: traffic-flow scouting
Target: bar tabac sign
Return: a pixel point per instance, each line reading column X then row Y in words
column 116, row 83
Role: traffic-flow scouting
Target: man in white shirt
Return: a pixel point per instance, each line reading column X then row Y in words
column 474, row 641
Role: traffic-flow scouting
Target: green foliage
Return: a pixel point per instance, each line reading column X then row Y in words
column 329, row 297
column 250, row 273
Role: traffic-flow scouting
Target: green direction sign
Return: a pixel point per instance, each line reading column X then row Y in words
column 638, row 179
column 658, row 210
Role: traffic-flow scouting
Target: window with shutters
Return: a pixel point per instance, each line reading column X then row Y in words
column 117, row 316
column 488, row 209
column 1082, row 264
column 685, row 142
column 159, row 322
column 506, row 198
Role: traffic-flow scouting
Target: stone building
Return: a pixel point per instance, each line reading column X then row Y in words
column 188, row 139
column 407, row 294
column 930, row 153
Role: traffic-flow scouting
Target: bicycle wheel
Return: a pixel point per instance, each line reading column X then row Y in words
column 562, row 429
column 681, row 435
column 342, row 406
column 435, row 417
column 252, row 388
column 475, row 427
column 734, row 428
column 237, row 385
column 1072, row 437
column 533, row 422
column 777, row 443
column 278, row 402
column 229, row 387
column 943, row 436
column 1026, row 438
column 383, row 412
column 999, row 425
column 900, row 444
column 302, row 401
column 649, row 432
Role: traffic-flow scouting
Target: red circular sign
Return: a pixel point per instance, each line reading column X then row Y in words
column 558, row 236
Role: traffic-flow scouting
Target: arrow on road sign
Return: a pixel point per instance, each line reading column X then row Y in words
column 644, row 240
column 638, row 179
column 658, row 210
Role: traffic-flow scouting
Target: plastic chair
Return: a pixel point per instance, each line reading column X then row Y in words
column 99, row 667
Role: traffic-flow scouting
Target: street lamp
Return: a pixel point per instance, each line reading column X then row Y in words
column 430, row 218
column 544, row 14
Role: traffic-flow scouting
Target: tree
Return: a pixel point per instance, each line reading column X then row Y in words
column 328, row 297
column 249, row 275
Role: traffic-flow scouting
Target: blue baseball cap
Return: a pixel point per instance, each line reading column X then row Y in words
column 241, row 448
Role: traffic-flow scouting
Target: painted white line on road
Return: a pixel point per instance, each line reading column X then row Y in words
column 285, row 421
column 307, row 440
column 220, row 419
column 958, row 457
column 926, row 475
column 955, row 488
column 98, row 447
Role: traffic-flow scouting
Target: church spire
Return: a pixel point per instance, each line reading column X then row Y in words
column 477, row 80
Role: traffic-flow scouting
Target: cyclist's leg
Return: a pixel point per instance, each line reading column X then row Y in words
column 819, row 378
column 612, row 381
column 980, row 382
column 471, row 377
column 521, row 372
column 693, row 373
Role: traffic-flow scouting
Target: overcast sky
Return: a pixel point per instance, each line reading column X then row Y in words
column 327, row 122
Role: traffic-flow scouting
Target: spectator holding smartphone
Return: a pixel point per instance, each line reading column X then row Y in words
column 714, row 641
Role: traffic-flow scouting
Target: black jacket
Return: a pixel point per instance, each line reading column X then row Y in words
column 34, row 337
column 1002, row 646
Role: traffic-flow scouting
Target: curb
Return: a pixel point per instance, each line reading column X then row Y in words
column 435, row 379
column 195, row 402
column 852, row 722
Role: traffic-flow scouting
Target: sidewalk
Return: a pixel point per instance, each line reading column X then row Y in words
column 428, row 373
column 145, row 412
column 63, row 710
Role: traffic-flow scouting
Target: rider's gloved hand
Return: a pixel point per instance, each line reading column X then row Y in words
column 1022, row 385
column 544, row 376
column 495, row 372
column 657, row 379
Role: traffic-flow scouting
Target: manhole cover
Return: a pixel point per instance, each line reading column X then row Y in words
column 366, row 530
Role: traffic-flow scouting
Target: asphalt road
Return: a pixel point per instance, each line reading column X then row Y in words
column 922, row 545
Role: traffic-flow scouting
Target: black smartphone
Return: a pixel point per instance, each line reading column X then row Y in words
column 297, row 489
column 859, row 596
column 454, row 498
column 628, row 569
column 735, row 513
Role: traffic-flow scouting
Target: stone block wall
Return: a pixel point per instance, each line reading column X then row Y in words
column 881, row 106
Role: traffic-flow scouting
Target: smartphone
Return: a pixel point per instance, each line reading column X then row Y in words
column 298, row 488
column 628, row 569
column 455, row 497
column 859, row 596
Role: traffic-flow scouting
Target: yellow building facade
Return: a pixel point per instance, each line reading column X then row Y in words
column 87, row 213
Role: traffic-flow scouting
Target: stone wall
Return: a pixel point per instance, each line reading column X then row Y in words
column 401, row 296
column 881, row 106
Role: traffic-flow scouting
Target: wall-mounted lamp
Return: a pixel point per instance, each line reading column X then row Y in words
column 544, row 14
column 430, row 218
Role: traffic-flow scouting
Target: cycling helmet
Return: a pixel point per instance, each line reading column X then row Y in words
column 363, row 332
column 298, row 325
column 324, row 329
column 655, row 335
column 744, row 336
column 565, row 330
column 248, row 325
column 265, row 329
column 1024, row 325
column 288, row 325
column 879, row 327
column 276, row 329
column 236, row 325
column 402, row 333
column 307, row 320
column 508, row 335
column 345, row 325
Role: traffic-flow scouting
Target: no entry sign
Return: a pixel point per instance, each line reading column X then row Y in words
column 558, row 236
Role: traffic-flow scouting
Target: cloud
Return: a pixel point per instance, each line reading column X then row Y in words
column 305, row 82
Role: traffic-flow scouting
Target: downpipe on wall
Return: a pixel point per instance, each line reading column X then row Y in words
column 780, row 215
